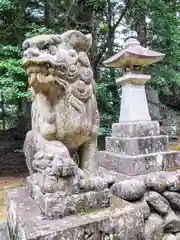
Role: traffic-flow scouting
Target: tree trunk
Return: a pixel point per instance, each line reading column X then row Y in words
column 48, row 12
column 110, row 38
column 141, row 28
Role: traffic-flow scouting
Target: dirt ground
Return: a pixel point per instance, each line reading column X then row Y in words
column 6, row 183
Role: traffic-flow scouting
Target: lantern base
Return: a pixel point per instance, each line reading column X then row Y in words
column 137, row 148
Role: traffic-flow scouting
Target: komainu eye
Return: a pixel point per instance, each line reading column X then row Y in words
column 46, row 46
column 62, row 67
column 26, row 45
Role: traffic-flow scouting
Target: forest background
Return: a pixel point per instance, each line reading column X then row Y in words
column 157, row 24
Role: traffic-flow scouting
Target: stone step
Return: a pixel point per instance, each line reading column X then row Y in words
column 136, row 129
column 25, row 221
column 139, row 164
column 138, row 145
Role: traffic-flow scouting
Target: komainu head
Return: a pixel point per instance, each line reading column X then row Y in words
column 58, row 61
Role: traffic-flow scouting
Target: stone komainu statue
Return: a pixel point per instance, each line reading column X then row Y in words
column 64, row 107
column 60, row 149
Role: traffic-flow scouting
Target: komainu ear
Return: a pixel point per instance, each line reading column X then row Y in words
column 77, row 40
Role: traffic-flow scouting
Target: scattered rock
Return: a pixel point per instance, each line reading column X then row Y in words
column 154, row 228
column 155, row 182
column 130, row 190
column 171, row 223
column 169, row 237
column 174, row 199
column 157, row 202
column 173, row 182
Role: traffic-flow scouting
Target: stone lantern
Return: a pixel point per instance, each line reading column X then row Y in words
column 135, row 146
column 132, row 58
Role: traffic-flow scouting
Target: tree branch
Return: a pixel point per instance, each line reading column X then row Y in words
column 112, row 30
column 67, row 13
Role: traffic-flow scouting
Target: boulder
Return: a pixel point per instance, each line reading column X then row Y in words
column 155, row 182
column 130, row 190
column 171, row 223
column 154, row 228
column 174, row 199
column 173, row 182
column 157, row 202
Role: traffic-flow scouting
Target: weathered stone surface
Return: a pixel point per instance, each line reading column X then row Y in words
column 121, row 219
column 130, row 190
column 155, row 182
column 131, row 165
column 157, row 202
column 64, row 107
column 171, row 223
column 61, row 147
column 169, row 237
column 135, row 129
column 111, row 176
column 172, row 161
column 154, row 228
column 173, row 182
column 174, row 199
column 64, row 203
column 134, row 165
column 136, row 146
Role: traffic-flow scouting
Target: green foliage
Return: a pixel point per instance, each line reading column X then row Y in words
column 34, row 29
column 22, row 19
column 97, row 5
column 12, row 75
column 9, row 51
column 6, row 5
column 12, row 82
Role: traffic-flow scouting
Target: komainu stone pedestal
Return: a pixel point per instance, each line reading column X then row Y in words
column 122, row 220
column 64, row 203
column 137, row 148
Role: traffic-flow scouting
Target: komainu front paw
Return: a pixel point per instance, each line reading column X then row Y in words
column 42, row 161
column 95, row 183
column 64, row 166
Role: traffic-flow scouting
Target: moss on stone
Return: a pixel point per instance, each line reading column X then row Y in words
column 88, row 211
column 175, row 148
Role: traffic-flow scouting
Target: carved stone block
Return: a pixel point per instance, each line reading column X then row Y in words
column 137, row 146
column 138, row 164
column 63, row 203
column 122, row 220
column 135, row 129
